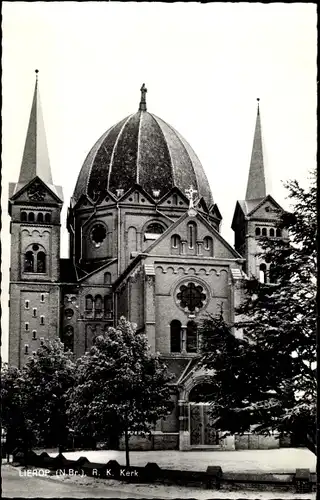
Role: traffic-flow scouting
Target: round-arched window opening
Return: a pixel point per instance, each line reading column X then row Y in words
column 69, row 313
column 155, row 228
column 191, row 297
column 98, row 234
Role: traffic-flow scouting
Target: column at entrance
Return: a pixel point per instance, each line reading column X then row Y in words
column 184, row 434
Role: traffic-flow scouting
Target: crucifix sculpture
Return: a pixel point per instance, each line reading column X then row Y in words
column 143, row 102
column 190, row 192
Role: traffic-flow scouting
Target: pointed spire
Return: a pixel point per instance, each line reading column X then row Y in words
column 256, row 187
column 35, row 160
column 143, row 102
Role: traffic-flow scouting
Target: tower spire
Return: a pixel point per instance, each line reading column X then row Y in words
column 35, row 160
column 143, row 102
column 256, row 187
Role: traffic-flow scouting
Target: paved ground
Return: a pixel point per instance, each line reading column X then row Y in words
column 15, row 486
column 279, row 460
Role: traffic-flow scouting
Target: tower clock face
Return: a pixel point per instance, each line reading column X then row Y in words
column 36, row 192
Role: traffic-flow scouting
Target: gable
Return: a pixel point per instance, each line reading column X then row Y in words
column 83, row 202
column 137, row 195
column 267, row 209
column 35, row 191
column 109, row 199
column 207, row 242
column 174, row 199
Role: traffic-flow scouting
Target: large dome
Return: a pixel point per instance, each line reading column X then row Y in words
column 141, row 149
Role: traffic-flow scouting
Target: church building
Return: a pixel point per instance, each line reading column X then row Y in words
column 144, row 243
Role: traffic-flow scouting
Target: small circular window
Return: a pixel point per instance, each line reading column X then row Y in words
column 98, row 234
column 191, row 297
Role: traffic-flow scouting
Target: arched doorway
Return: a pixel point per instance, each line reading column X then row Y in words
column 202, row 431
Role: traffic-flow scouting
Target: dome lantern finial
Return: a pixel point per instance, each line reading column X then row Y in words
column 143, row 102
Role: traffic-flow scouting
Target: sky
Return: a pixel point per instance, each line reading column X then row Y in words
column 204, row 66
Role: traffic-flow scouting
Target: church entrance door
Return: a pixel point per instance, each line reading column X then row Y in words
column 202, row 431
column 201, row 428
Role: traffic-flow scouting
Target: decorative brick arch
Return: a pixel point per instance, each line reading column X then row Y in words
column 192, row 382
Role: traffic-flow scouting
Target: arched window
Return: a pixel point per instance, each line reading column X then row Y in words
column 208, row 245
column 155, row 228
column 271, row 232
column 29, row 262
column 107, row 305
column 272, row 278
column 175, row 336
column 98, row 303
column 107, row 278
column 264, row 231
column 192, row 236
column 47, row 217
column 278, row 233
column 68, row 313
column 31, row 217
column 35, row 260
column 192, row 337
column 153, row 231
column 175, row 241
column 263, row 273
column 258, row 231
column 41, row 262
column 89, row 303
column 68, row 338
column 40, row 217
column 23, row 216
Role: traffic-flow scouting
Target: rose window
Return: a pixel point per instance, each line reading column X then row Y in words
column 191, row 297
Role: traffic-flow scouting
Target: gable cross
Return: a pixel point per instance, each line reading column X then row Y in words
column 190, row 192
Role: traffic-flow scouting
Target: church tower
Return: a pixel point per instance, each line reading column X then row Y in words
column 256, row 216
column 34, row 207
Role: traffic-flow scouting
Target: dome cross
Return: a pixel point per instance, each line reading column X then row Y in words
column 143, row 101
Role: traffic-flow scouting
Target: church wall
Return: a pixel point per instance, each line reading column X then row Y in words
column 171, row 422
column 169, row 278
column 135, row 222
column 22, row 313
column 122, row 302
column 136, row 299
